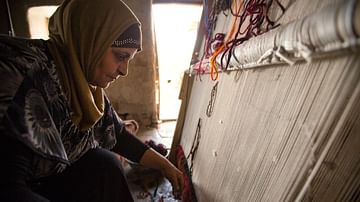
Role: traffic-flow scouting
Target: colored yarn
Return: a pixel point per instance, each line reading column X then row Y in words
column 210, row 107
column 256, row 12
column 213, row 68
column 194, row 146
column 188, row 194
column 160, row 148
column 209, row 24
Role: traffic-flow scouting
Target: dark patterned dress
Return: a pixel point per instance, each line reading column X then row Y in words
column 34, row 110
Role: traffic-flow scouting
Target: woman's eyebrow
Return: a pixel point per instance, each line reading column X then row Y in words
column 124, row 54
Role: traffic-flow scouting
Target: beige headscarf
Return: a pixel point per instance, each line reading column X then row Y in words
column 80, row 32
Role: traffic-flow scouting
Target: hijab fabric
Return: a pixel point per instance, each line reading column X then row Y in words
column 80, row 31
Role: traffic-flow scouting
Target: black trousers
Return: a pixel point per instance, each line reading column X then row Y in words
column 96, row 177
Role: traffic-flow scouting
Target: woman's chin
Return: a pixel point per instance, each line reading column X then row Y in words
column 101, row 84
column 105, row 85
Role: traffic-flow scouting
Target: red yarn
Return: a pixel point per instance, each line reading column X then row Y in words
column 188, row 194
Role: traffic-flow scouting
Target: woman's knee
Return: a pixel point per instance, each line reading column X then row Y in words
column 99, row 166
column 108, row 174
column 97, row 176
column 100, row 158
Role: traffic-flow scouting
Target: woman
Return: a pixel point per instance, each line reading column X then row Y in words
column 57, row 126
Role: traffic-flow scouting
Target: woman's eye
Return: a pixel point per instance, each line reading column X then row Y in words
column 120, row 57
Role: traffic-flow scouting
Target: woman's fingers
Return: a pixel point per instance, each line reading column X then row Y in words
column 180, row 186
column 176, row 178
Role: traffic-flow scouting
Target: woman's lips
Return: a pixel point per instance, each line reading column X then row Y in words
column 112, row 78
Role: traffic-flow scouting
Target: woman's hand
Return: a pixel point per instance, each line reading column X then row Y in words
column 175, row 176
column 155, row 160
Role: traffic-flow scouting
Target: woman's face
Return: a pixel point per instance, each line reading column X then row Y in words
column 113, row 65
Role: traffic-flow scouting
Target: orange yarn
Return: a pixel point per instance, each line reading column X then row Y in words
column 214, row 72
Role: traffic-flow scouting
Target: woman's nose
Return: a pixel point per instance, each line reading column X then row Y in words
column 123, row 69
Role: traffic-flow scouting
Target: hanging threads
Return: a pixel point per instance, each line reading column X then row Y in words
column 216, row 46
column 222, row 6
column 188, row 191
column 213, row 68
column 255, row 13
column 194, row 146
column 251, row 19
column 210, row 107
column 209, row 24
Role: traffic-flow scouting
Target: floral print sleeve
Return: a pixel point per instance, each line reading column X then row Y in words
column 34, row 109
column 24, row 112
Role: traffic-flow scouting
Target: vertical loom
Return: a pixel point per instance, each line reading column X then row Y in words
column 280, row 109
